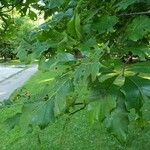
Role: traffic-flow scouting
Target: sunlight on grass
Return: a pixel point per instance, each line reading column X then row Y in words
column 46, row 80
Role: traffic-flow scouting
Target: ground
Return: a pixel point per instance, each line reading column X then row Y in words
column 12, row 78
column 79, row 134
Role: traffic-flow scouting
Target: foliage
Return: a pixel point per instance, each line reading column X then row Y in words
column 12, row 29
column 6, row 51
column 78, row 134
column 100, row 44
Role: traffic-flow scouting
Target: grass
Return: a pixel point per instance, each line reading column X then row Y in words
column 35, row 85
column 78, row 134
column 15, row 62
column 11, row 62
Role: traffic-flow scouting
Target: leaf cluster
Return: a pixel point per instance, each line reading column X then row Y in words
column 103, row 50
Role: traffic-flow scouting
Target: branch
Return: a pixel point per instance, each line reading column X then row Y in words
column 79, row 104
column 135, row 13
column 72, row 113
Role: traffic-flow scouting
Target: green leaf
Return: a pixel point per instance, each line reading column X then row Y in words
column 98, row 110
column 106, row 24
column 88, row 44
column 53, row 62
column 146, row 110
column 142, row 51
column 103, row 77
column 39, row 49
column 32, row 15
column 85, row 70
column 139, row 67
column 119, row 81
column 37, row 113
column 124, row 4
column 138, row 28
column 11, row 122
column 59, row 93
column 91, row 14
column 136, row 89
column 64, row 57
column 74, row 27
column 53, row 3
column 117, row 123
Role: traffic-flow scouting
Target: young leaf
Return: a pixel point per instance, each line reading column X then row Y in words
column 74, row 27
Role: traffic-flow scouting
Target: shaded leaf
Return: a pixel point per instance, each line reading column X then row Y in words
column 124, row 4
column 85, row 70
column 53, row 3
column 106, row 24
column 32, row 15
column 136, row 89
column 138, row 28
column 37, row 113
column 117, row 123
column 98, row 110
column 11, row 122
column 139, row 67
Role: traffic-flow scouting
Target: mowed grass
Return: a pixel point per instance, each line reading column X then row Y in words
column 15, row 62
column 74, row 134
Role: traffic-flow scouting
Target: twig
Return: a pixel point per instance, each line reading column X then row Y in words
column 39, row 139
column 72, row 113
column 135, row 13
column 79, row 104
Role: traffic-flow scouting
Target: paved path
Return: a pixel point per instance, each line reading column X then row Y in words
column 8, row 86
column 7, row 71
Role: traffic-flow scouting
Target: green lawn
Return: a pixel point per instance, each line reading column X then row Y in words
column 78, row 134
column 15, row 62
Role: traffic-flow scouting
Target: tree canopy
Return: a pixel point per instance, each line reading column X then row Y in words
column 103, row 48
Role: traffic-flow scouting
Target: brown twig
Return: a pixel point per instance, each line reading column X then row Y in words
column 135, row 13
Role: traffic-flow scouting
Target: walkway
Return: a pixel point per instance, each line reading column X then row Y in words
column 13, row 78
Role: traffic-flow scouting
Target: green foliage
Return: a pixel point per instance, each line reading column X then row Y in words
column 138, row 28
column 38, row 113
column 124, row 4
column 12, row 36
column 96, row 47
column 99, row 110
column 74, row 26
column 106, row 23
column 140, row 89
